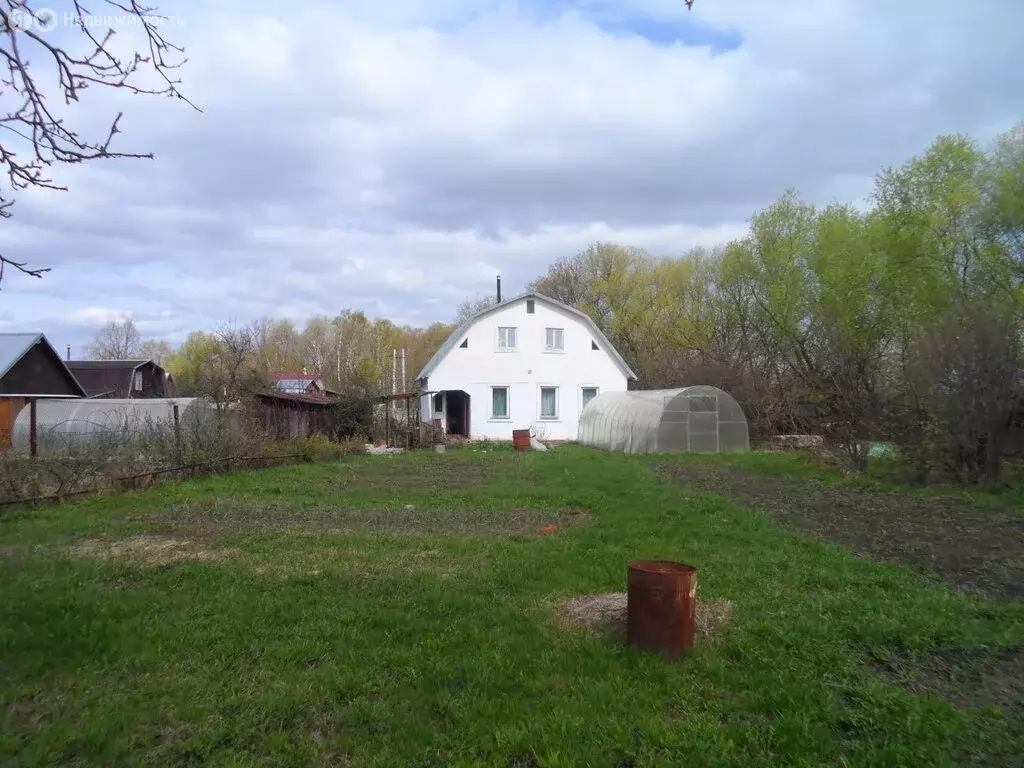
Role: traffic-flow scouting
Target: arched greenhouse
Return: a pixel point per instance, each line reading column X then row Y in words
column 702, row 419
column 62, row 425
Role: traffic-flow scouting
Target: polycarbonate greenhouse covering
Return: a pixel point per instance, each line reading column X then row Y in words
column 60, row 424
column 701, row 419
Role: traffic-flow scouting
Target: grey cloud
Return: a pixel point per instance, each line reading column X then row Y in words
column 257, row 205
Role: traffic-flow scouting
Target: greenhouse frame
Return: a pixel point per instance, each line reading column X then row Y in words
column 701, row 419
column 62, row 424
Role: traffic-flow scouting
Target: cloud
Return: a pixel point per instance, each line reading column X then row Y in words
column 395, row 156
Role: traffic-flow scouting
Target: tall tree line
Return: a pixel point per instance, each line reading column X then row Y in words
column 349, row 351
column 902, row 321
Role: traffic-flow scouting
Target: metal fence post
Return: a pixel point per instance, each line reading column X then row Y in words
column 33, row 447
column 177, row 431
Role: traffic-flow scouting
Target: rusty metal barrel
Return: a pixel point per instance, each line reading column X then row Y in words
column 661, row 605
column 521, row 439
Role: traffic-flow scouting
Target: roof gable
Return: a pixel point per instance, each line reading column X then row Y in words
column 15, row 346
column 101, row 377
column 460, row 331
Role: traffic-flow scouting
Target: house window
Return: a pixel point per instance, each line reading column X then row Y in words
column 438, row 402
column 464, row 344
column 549, row 402
column 529, row 306
column 499, row 402
column 589, row 393
column 554, row 339
column 506, row 338
column 137, row 381
column 593, row 344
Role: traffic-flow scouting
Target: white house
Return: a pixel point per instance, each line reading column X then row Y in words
column 529, row 362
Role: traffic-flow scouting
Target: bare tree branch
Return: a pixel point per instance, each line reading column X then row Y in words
column 36, row 137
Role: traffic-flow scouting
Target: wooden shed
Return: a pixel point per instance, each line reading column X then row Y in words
column 30, row 368
column 122, row 379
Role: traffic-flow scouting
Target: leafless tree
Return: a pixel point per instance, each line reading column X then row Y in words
column 157, row 350
column 116, row 341
column 966, row 387
column 470, row 307
column 37, row 135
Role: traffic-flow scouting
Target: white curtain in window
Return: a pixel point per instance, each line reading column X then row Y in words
column 507, row 338
column 499, row 402
column 548, row 402
column 589, row 393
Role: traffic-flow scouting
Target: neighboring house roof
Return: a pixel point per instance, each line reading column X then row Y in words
column 100, row 377
column 459, row 332
column 295, row 382
column 306, row 377
column 13, row 347
column 300, row 397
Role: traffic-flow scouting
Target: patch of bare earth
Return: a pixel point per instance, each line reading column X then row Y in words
column 367, row 565
column 965, row 677
column 443, row 475
column 970, row 547
column 150, row 549
column 606, row 613
column 244, row 515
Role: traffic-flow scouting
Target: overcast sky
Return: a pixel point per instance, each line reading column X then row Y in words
column 394, row 156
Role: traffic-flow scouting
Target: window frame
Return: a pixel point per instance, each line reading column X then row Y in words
column 597, row 391
column 540, row 403
column 554, row 350
column 515, row 334
column 508, row 403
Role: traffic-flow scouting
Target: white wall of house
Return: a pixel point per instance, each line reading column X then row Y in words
column 527, row 374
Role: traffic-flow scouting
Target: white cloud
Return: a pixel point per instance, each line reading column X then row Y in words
column 96, row 317
column 395, row 156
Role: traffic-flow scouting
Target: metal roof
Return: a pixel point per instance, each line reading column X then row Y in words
column 94, row 365
column 99, row 377
column 306, row 377
column 457, row 334
column 13, row 347
column 298, row 397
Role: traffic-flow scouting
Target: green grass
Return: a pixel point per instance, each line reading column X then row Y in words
column 328, row 626
column 881, row 475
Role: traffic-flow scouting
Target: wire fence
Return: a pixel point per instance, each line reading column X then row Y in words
column 61, row 449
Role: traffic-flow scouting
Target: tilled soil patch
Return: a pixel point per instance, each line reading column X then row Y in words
column 970, row 547
column 250, row 515
column 149, row 549
column 965, row 677
column 442, row 476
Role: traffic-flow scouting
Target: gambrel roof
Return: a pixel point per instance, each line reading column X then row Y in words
column 459, row 332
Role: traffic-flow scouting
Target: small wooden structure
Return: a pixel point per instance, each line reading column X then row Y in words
column 287, row 414
column 30, row 369
column 122, row 379
column 402, row 426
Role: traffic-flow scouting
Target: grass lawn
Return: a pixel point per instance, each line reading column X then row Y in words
column 306, row 616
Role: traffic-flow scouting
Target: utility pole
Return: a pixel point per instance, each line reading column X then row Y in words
column 394, row 370
column 404, row 390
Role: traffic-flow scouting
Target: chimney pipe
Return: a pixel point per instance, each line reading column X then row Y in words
column 69, row 352
column 499, row 289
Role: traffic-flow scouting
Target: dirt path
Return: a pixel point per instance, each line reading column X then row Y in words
column 969, row 547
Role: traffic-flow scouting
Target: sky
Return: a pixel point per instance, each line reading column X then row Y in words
column 394, row 157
